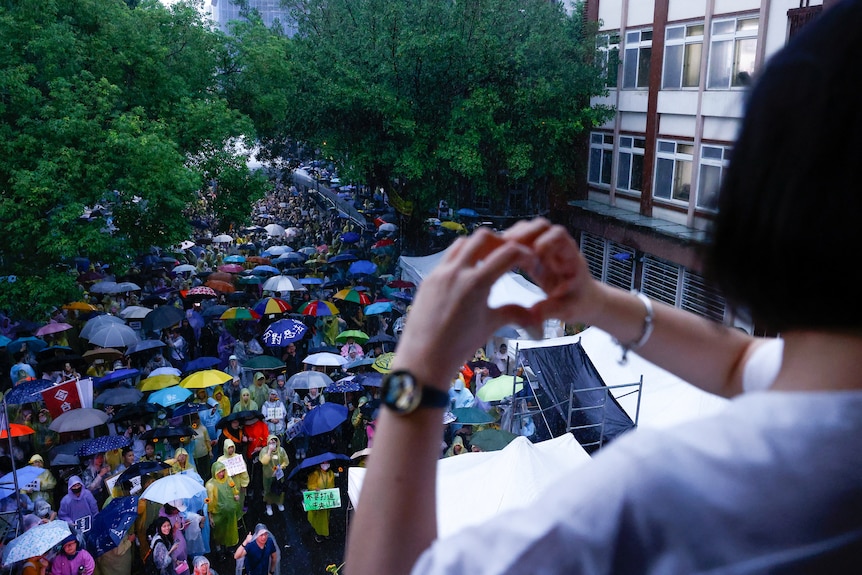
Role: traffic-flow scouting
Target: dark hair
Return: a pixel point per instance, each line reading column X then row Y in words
column 789, row 203
column 155, row 529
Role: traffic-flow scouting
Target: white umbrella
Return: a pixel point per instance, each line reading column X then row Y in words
column 124, row 287
column 114, row 335
column 222, row 239
column 105, row 286
column 325, row 359
column 183, row 268
column 97, row 323
column 308, row 379
column 35, row 541
column 79, row 419
column 165, row 371
column 172, row 487
column 387, row 227
column 283, row 283
column 135, row 312
column 187, row 244
column 278, row 250
column 274, row 230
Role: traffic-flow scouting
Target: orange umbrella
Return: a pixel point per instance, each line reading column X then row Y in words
column 221, row 286
column 17, row 430
column 259, row 260
column 80, row 306
column 220, row 277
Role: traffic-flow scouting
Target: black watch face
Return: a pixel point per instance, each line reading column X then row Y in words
column 401, row 392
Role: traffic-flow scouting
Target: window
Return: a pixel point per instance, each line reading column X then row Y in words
column 608, row 56
column 637, row 57
column 630, row 168
column 733, row 49
column 673, row 171
column 713, row 162
column 683, row 49
column 601, row 158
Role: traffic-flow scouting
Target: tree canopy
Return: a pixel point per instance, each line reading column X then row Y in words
column 438, row 98
column 112, row 104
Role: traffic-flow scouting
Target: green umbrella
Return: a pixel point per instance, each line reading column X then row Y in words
column 499, row 387
column 358, row 336
column 264, row 362
column 492, row 439
column 471, row 416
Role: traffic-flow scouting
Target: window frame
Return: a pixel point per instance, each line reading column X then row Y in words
column 637, row 45
column 680, row 161
column 608, row 56
column 733, row 77
column 708, row 162
column 628, row 148
column 606, row 153
column 685, row 42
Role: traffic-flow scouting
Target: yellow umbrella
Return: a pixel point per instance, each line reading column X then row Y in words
column 454, row 226
column 80, row 306
column 156, row 382
column 383, row 362
column 205, row 378
column 497, row 388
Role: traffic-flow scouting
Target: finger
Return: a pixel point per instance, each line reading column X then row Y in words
column 513, row 314
column 526, row 231
column 476, row 248
column 506, row 257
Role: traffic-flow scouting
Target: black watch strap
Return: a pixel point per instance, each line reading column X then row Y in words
column 402, row 393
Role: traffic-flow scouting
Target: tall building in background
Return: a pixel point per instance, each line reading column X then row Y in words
column 677, row 73
column 271, row 11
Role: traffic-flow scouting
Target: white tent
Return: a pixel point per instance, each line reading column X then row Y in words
column 474, row 487
column 665, row 399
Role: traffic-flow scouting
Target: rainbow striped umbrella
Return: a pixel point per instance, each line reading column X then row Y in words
column 240, row 313
column 353, row 296
column 318, row 307
column 269, row 305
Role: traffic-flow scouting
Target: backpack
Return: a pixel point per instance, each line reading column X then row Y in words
column 150, row 567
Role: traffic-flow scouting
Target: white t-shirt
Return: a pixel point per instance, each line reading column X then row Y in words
column 771, row 484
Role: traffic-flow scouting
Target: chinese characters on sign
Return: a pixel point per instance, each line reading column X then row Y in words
column 321, row 499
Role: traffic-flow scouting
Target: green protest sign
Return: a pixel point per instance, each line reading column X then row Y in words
column 321, row 499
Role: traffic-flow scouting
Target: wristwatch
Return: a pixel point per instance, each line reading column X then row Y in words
column 401, row 393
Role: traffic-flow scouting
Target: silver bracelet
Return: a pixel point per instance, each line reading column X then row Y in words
column 645, row 334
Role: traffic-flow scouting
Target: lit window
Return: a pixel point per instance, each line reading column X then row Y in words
column 637, row 57
column 733, row 50
column 683, row 49
column 673, row 171
column 601, row 158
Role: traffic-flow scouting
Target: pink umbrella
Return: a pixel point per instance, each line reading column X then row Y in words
column 231, row 268
column 52, row 327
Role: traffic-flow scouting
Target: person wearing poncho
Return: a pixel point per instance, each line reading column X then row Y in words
column 272, row 458
column 47, row 482
column 322, row 477
column 224, row 506
column 181, row 461
column 245, row 403
column 242, row 479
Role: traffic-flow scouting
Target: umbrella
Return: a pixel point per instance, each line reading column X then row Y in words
column 79, row 420
column 324, row 418
column 112, row 524
column 64, row 454
column 104, row 286
column 468, row 212
column 310, row 281
column 378, row 308
column 163, row 317
column 454, row 226
column 24, row 475
column 167, row 370
column 184, row 268
column 168, row 432
column 200, row 363
column 28, row 391
column 240, row 416
column 370, row 379
column 115, row 376
column 36, row 541
column 472, row 416
column 401, row 284
column 106, row 353
column 258, row 260
column 401, row 295
column 349, row 237
column 231, row 268
column 277, row 250
column 359, row 362
column 309, row 462
column 353, row 296
column 97, row 322
column 171, row 488
column 381, row 338
column 383, row 362
column 169, row 396
column 318, row 308
column 102, row 444
column 283, row 332
column 17, row 430
column 282, row 283
column 492, row 439
column 124, row 287
column 264, row 269
column 201, row 292
column 135, row 312
column 308, row 380
column 220, row 286
column 274, row 230
column 249, row 280
column 145, row 345
column 222, row 239
column 383, row 244
column 115, row 335
column 235, row 259
column 205, row 378
column 135, row 411
column 388, row 227
column 240, row 313
column 264, row 362
column 142, row 468
column 118, row 396
column 362, row 267
column 80, row 306
column 343, row 257
column 34, row 344
column 52, row 327
column 291, row 258
column 325, row 359
column 271, row 305
column 496, row 388
column 359, row 336
column 343, row 386
column 214, row 311
column 188, row 408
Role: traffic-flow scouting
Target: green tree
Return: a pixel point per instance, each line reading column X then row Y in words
column 112, row 104
column 441, row 98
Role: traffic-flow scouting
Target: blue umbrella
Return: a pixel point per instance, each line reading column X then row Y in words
column 359, row 362
column 25, row 475
column 378, row 308
column 401, row 295
column 265, row 269
column 142, row 468
column 214, row 311
column 316, row 460
column 362, row 267
column 36, row 541
column 119, row 396
column 144, row 345
column 4, row 340
column 114, row 377
column 324, row 418
column 342, row 257
column 468, row 212
column 291, row 257
column 102, row 444
column 199, row 363
column 34, row 344
column 169, row 396
column 370, row 379
column 112, row 524
column 343, row 386
column 283, row 332
column 311, row 281
column 28, row 391
column 350, row 237
column 188, row 408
